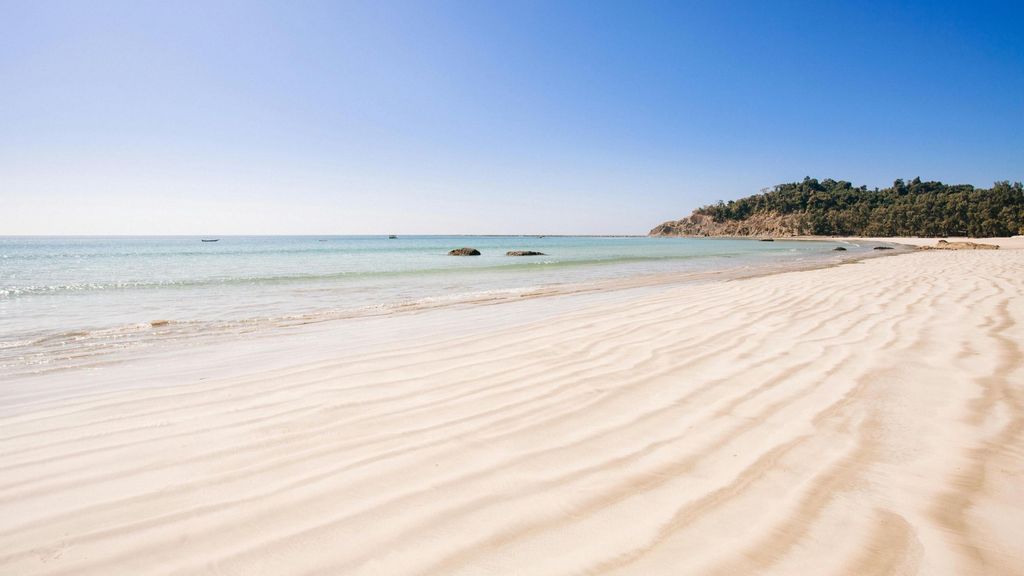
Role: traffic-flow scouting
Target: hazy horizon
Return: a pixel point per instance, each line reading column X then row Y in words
column 413, row 118
column 328, row 235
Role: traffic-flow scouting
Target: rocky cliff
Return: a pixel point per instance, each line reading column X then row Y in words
column 769, row 224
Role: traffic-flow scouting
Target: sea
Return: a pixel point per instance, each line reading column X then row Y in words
column 72, row 301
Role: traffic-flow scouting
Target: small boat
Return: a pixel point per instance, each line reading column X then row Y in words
column 211, row 239
column 392, row 237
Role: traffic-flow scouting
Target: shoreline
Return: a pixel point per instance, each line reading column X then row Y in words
column 193, row 332
column 179, row 333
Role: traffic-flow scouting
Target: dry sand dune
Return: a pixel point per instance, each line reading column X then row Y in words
column 861, row 419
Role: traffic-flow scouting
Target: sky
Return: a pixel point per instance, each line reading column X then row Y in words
column 548, row 117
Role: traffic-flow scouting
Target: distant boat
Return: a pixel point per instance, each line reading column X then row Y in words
column 211, row 240
column 392, row 237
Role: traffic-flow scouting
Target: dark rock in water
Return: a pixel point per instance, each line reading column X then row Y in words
column 839, row 249
column 767, row 240
column 464, row 252
column 883, row 247
column 524, row 253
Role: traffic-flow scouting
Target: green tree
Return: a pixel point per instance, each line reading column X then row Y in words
column 917, row 208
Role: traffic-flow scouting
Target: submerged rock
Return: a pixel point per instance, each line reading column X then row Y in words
column 839, row 249
column 767, row 240
column 464, row 252
column 883, row 247
column 524, row 253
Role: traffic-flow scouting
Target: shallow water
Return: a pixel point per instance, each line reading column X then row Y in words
column 67, row 299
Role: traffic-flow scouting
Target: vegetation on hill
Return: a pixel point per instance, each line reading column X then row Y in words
column 837, row 208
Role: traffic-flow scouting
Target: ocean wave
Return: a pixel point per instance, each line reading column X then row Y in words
column 30, row 290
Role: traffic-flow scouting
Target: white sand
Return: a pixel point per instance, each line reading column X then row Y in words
column 862, row 419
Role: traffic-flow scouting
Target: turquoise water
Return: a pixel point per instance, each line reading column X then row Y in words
column 67, row 297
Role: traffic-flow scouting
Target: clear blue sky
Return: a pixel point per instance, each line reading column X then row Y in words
column 484, row 117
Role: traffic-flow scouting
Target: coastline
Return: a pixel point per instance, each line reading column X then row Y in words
column 80, row 340
column 853, row 419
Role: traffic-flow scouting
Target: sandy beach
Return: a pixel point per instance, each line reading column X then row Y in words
column 866, row 418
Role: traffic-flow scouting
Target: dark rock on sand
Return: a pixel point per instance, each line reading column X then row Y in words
column 946, row 245
column 524, row 253
column 464, row 252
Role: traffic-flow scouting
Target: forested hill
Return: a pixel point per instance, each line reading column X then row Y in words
column 837, row 208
